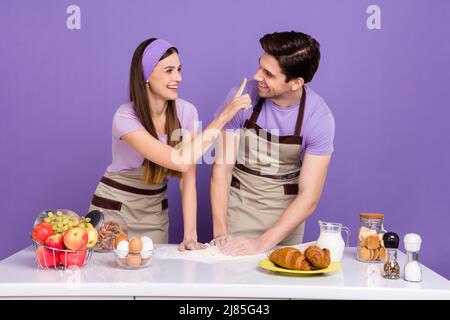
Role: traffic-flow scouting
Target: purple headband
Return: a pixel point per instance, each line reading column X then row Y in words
column 152, row 54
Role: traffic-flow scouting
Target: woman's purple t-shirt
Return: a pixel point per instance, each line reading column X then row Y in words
column 125, row 120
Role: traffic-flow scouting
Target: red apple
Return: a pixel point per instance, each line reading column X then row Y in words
column 92, row 238
column 55, row 241
column 47, row 257
column 76, row 238
column 41, row 232
column 72, row 259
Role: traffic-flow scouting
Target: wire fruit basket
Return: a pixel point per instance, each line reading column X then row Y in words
column 60, row 259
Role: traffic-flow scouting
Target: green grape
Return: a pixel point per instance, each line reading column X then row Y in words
column 59, row 213
column 88, row 219
column 50, row 214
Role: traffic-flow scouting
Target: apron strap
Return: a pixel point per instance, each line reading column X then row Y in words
column 257, row 110
column 300, row 114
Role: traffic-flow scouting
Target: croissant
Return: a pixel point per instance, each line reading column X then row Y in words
column 319, row 258
column 290, row 258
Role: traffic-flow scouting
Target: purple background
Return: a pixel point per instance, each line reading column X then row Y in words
column 388, row 90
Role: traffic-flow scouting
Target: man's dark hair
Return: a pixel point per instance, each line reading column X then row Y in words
column 298, row 54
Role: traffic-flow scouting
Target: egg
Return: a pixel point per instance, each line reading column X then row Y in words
column 146, row 239
column 122, row 249
column 119, row 238
column 147, row 250
column 134, row 260
column 135, row 245
column 147, row 244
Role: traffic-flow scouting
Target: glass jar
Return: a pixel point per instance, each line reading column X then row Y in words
column 109, row 225
column 370, row 238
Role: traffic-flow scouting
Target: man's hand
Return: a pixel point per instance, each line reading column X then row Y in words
column 241, row 246
column 191, row 244
column 220, row 241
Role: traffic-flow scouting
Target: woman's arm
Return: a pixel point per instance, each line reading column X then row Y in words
column 189, row 201
column 181, row 159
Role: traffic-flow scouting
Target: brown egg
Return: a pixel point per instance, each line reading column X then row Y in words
column 134, row 260
column 135, row 245
column 119, row 238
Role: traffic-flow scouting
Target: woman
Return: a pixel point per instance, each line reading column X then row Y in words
column 146, row 150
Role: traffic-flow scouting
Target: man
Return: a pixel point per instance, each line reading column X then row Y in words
column 268, row 176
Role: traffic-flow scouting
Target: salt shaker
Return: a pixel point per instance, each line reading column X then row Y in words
column 391, row 268
column 412, row 270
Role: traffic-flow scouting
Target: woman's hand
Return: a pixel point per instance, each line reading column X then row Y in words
column 191, row 244
column 238, row 103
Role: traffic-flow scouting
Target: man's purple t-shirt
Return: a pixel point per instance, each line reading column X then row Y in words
column 125, row 120
column 318, row 122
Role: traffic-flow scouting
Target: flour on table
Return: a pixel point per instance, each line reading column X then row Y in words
column 210, row 254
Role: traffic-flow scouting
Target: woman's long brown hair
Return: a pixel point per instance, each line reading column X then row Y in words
column 153, row 173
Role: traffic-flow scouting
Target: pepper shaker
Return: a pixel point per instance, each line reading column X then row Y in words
column 391, row 268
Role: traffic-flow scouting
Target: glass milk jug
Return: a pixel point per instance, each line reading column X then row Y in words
column 331, row 238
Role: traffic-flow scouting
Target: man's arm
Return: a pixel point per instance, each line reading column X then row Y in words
column 225, row 157
column 310, row 186
column 311, row 182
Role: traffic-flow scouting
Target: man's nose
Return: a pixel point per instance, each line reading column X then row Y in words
column 258, row 76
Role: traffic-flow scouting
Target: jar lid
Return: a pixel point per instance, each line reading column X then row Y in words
column 371, row 215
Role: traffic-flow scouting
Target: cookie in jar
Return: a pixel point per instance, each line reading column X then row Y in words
column 370, row 238
column 110, row 226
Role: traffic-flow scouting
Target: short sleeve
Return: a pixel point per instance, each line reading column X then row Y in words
column 189, row 117
column 125, row 120
column 321, row 137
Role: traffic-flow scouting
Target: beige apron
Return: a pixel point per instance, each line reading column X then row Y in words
column 143, row 206
column 265, row 178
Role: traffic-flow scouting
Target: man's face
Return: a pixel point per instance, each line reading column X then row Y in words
column 271, row 80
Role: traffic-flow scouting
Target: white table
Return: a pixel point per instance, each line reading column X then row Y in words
column 177, row 278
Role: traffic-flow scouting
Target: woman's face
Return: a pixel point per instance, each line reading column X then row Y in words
column 166, row 78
